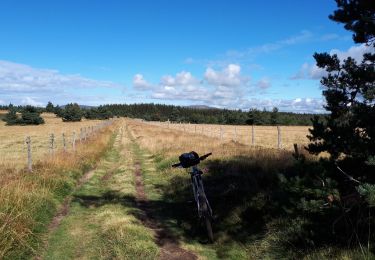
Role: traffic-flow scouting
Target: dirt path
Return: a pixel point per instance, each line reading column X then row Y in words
column 63, row 211
column 168, row 244
column 108, row 215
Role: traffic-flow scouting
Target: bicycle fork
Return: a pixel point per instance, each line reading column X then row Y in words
column 198, row 190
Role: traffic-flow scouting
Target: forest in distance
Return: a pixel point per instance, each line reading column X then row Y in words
column 188, row 114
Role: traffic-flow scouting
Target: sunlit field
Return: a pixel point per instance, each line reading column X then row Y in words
column 173, row 140
column 264, row 136
column 13, row 150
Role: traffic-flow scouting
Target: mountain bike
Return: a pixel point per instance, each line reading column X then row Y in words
column 191, row 160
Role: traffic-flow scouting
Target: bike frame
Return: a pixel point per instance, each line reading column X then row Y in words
column 198, row 189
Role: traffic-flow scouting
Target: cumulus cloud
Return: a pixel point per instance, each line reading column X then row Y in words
column 297, row 105
column 183, row 86
column 31, row 101
column 356, row 52
column 15, row 77
column 24, row 84
column 229, row 76
column 182, row 78
column 311, row 71
column 140, row 83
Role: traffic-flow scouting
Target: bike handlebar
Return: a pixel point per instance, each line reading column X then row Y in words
column 204, row 156
column 196, row 161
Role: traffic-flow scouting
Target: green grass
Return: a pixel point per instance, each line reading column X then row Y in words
column 103, row 220
column 256, row 217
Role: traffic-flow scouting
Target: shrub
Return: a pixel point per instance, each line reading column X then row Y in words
column 72, row 113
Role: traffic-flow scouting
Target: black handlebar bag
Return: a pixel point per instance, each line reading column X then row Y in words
column 189, row 159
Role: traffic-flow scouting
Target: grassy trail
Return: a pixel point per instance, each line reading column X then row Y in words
column 109, row 215
column 102, row 220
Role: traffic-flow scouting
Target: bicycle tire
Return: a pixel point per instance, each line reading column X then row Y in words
column 206, row 218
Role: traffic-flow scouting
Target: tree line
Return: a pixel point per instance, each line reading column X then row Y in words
column 159, row 112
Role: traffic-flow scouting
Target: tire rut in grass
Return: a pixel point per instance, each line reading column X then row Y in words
column 169, row 245
column 63, row 211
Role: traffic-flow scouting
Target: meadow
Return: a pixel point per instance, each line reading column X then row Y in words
column 13, row 150
column 29, row 200
column 261, row 136
column 256, row 192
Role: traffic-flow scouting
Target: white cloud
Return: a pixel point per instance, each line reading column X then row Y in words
column 263, row 83
column 140, row 83
column 182, row 78
column 31, row 101
column 311, row 71
column 23, row 84
column 356, row 52
column 15, row 77
column 229, row 76
column 297, row 105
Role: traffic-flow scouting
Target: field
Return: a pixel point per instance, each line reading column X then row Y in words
column 262, row 136
column 133, row 205
column 13, row 152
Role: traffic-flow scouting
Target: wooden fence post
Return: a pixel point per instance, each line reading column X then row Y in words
column 278, row 137
column 252, row 135
column 85, row 133
column 221, row 133
column 80, row 135
column 235, row 134
column 64, row 142
column 29, row 159
column 74, row 141
column 52, row 144
column 296, row 152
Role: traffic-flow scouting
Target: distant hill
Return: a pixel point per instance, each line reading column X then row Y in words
column 201, row 107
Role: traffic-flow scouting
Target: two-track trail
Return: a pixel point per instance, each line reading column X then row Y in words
column 109, row 216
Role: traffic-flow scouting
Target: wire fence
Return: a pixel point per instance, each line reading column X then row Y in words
column 18, row 152
column 280, row 137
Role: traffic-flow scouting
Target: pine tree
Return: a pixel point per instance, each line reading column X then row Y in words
column 50, row 108
column 274, row 116
column 11, row 117
column 72, row 113
column 31, row 116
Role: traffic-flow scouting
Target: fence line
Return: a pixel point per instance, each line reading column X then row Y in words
column 241, row 134
column 30, row 148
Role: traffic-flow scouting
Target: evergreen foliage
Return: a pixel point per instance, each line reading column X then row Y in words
column 100, row 113
column 157, row 112
column 347, row 133
column 50, row 108
column 11, row 117
column 29, row 116
column 72, row 113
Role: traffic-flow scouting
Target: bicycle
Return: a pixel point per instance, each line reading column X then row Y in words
column 192, row 159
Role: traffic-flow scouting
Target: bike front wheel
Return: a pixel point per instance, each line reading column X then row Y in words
column 206, row 218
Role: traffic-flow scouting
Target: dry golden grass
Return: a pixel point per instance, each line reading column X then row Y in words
column 13, row 151
column 172, row 142
column 265, row 136
column 29, row 200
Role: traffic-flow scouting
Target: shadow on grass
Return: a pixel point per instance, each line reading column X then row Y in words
column 250, row 204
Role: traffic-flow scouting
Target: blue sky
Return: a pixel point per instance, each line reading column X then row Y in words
column 233, row 54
